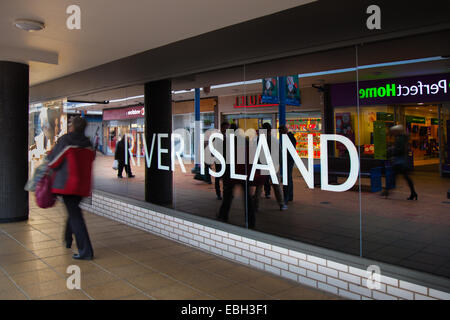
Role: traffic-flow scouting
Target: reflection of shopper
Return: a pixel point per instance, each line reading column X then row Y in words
column 206, row 176
column 120, row 157
column 96, row 139
column 400, row 158
column 223, row 128
column 72, row 158
column 267, row 179
column 229, row 184
column 288, row 190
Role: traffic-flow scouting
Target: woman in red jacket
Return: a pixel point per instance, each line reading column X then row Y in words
column 72, row 159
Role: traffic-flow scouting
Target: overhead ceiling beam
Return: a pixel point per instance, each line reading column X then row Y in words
column 25, row 55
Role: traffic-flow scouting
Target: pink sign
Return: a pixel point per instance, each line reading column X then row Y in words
column 124, row 113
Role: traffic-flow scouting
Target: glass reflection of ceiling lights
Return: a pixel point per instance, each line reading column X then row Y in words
column 301, row 75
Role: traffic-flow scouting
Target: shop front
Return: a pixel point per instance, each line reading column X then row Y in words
column 121, row 121
column 421, row 104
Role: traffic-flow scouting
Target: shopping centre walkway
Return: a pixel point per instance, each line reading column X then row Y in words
column 129, row 264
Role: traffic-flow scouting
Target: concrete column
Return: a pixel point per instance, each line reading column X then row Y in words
column 158, row 120
column 14, row 86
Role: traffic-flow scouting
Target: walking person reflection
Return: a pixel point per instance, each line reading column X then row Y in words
column 229, row 183
column 399, row 153
column 223, row 129
column 267, row 179
column 119, row 155
column 288, row 191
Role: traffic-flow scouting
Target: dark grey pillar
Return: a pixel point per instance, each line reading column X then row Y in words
column 158, row 119
column 13, row 141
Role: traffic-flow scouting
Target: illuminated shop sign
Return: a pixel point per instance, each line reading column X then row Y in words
column 414, row 119
column 428, row 88
column 253, row 101
column 124, row 113
column 133, row 112
column 394, row 90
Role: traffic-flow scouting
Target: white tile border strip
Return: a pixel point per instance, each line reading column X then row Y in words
column 323, row 274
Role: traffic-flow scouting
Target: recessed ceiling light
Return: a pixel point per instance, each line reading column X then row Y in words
column 29, row 25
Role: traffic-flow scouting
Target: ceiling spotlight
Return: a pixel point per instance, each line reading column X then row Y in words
column 29, row 25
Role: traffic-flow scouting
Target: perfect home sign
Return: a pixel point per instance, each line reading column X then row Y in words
column 429, row 88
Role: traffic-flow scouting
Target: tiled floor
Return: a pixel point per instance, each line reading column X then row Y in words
column 128, row 264
column 412, row 234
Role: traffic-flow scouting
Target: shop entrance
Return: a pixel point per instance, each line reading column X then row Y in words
column 422, row 125
column 427, row 126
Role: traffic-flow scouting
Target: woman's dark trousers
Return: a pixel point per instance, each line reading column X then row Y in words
column 76, row 225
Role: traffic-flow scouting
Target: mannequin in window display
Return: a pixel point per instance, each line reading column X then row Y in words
column 61, row 126
column 50, row 125
column 399, row 154
column 53, row 126
column 96, row 139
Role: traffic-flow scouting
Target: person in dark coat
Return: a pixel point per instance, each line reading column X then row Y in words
column 399, row 154
column 119, row 155
column 267, row 183
column 223, row 129
column 71, row 159
column 229, row 184
column 267, row 180
column 288, row 191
